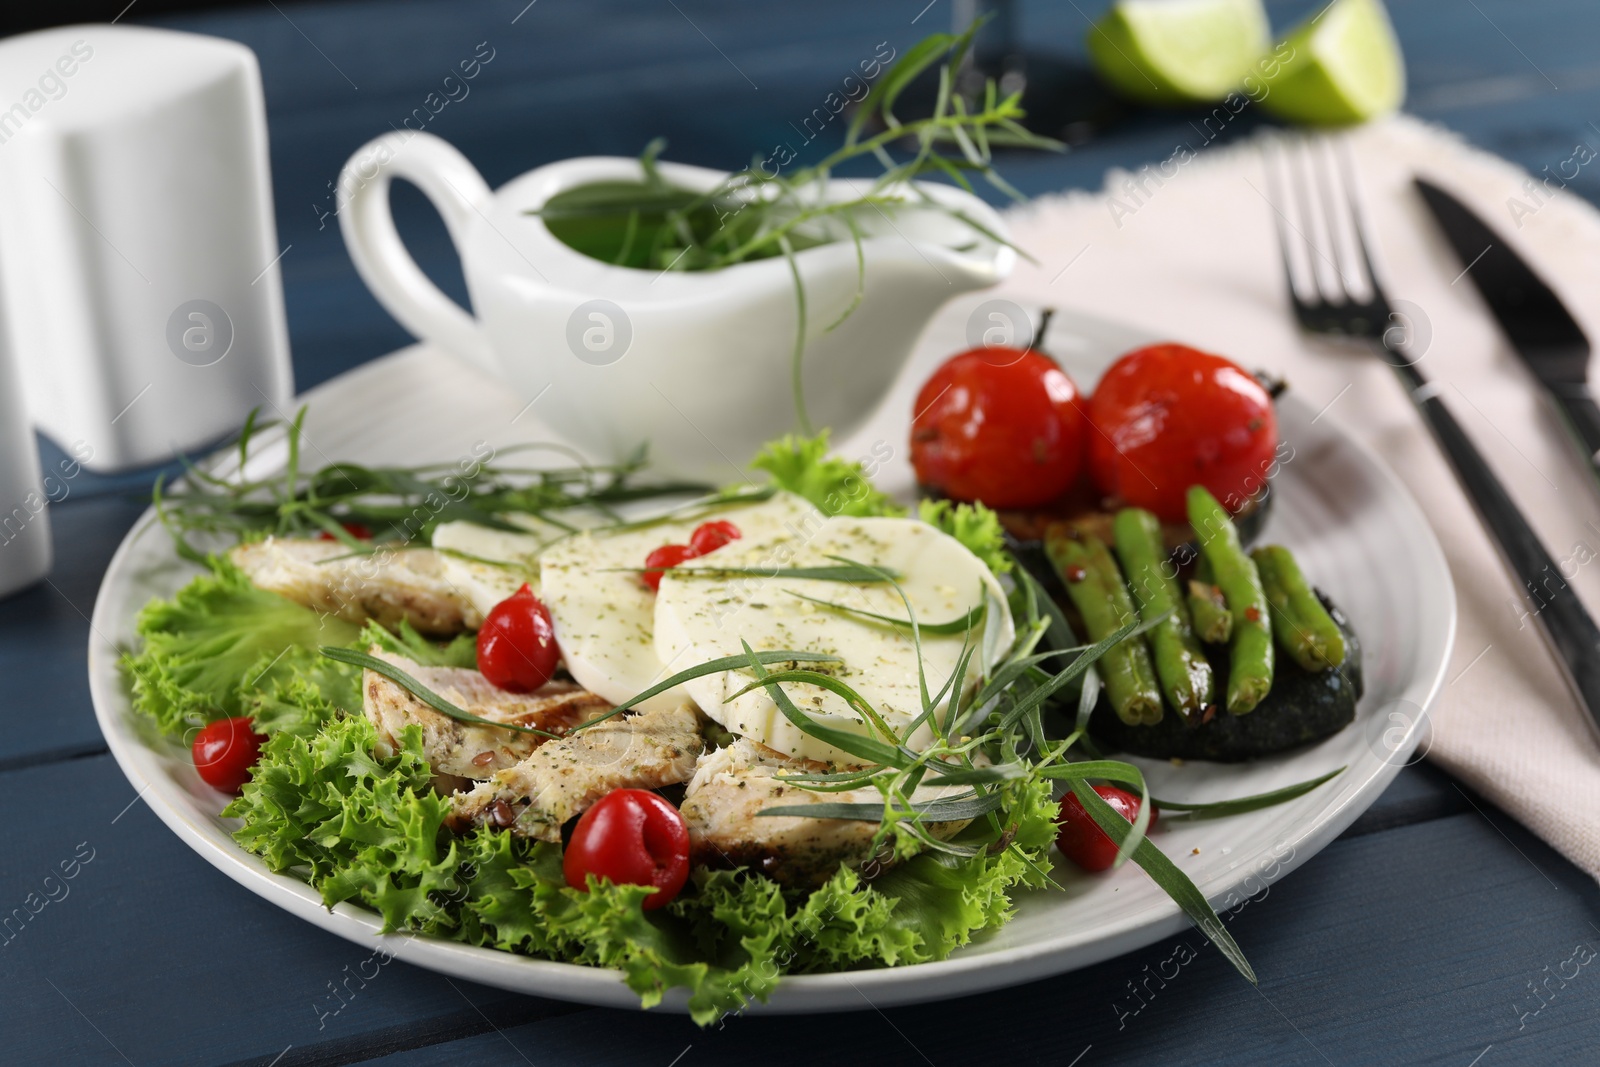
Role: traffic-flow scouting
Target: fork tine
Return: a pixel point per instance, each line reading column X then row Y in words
column 1358, row 227
column 1280, row 222
column 1311, row 221
column 1352, row 282
column 1332, row 233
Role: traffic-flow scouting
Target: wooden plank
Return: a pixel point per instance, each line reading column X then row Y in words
column 148, row 953
column 44, row 633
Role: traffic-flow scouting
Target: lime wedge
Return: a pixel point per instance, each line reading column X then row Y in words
column 1344, row 65
column 1178, row 51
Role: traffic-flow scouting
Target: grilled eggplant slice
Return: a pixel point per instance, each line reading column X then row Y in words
column 1303, row 706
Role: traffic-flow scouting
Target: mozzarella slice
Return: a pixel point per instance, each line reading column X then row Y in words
column 700, row 618
column 486, row 565
column 605, row 616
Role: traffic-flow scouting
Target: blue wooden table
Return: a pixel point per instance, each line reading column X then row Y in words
column 1432, row 932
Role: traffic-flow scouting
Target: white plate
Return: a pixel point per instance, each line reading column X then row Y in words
column 1359, row 534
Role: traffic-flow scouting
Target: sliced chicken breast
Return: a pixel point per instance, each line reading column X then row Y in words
column 563, row 778
column 462, row 752
column 388, row 586
column 732, row 785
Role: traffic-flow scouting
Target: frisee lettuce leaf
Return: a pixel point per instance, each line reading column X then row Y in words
column 209, row 651
column 974, row 525
column 221, row 647
column 372, row 831
column 836, row 486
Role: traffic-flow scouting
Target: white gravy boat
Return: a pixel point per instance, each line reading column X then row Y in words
column 697, row 364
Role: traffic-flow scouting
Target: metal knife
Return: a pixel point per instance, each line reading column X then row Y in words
column 1539, row 327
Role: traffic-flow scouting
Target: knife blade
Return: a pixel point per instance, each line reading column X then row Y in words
column 1538, row 325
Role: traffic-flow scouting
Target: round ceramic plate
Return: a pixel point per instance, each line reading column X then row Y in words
column 1355, row 529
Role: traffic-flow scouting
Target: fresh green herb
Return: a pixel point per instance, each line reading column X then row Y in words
column 955, row 626
column 1166, row 874
column 833, row 685
column 975, row 526
column 1238, row 805
column 853, row 573
column 710, row 504
column 945, row 809
column 714, row 666
column 801, row 465
column 398, row 504
column 404, row 680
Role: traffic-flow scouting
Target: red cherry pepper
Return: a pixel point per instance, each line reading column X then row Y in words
column 1080, row 838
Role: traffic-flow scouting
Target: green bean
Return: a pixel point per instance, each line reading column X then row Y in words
column 1095, row 585
column 1180, row 664
column 1250, row 657
column 1299, row 621
column 1208, row 608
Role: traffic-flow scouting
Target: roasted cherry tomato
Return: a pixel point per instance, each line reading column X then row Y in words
column 1001, row 425
column 517, row 645
column 1080, row 838
column 1168, row 417
column 710, row 536
column 225, row 750
column 665, row 556
column 355, row 529
column 631, row 837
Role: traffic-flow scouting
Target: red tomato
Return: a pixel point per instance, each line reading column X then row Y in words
column 1080, row 838
column 665, row 556
column 354, row 529
column 631, row 837
column 225, row 750
column 1001, row 425
column 517, row 648
column 710, row 536
column 1168, row 417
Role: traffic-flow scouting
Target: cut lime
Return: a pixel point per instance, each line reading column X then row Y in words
column 1179, row 51
column 1344, row 65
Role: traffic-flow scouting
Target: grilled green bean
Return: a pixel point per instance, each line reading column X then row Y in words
column 1250, row 655
column 1181, row 666
column 1300, row 623
column 1208, row 608
column 1095, row 585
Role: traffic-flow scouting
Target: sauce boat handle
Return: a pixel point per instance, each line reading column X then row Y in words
column 459, row 193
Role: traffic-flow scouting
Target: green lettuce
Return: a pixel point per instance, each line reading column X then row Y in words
column 221, row 646
column 836, row 486
column 372, row 831
column 974, row 526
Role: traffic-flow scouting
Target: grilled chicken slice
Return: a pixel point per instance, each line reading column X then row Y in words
column 461, row 752
column 562, row 778
column 730, row 785
column 388, row 586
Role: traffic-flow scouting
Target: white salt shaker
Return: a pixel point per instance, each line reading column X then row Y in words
column 24, row 522
column 139, row 282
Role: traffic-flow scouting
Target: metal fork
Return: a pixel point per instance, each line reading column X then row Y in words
column 1348, row 299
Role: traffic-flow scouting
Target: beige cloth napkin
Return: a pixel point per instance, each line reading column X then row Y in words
column 1194, row 256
